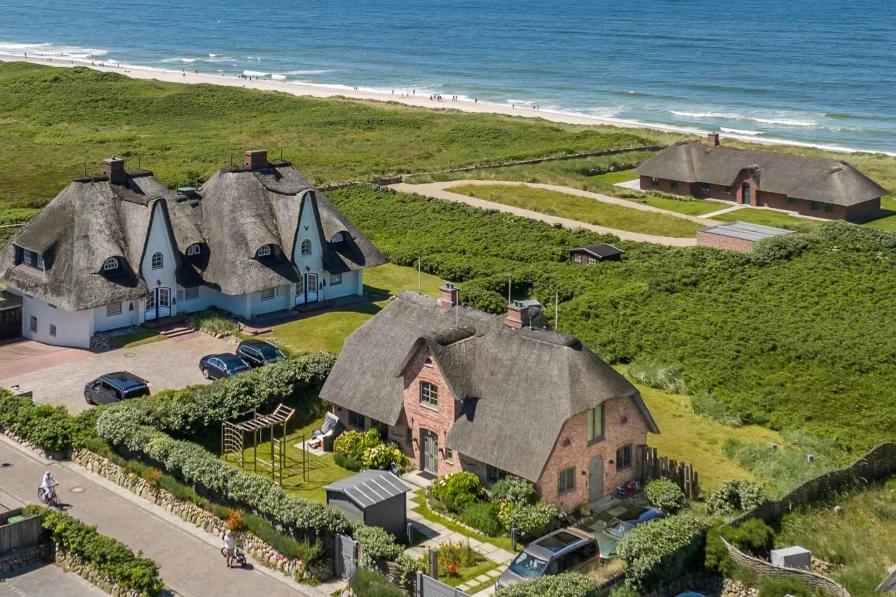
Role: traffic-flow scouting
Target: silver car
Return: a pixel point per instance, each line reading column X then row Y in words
column 561, row 551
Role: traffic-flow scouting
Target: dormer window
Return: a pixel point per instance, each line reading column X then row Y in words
column 264, row 251
column 337, row 238
column 194, row 249
column 33, row 259
column 110, row 264
column 306, row 247
column 157, row 261
column 27, row 257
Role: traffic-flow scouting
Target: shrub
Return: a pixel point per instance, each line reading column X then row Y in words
column 707, row 405
column 382, row 456
column 666, row 495
column 346, row 462
column 735, row 495
column 717, row 556
column 753, row 537
column 661, row 551
column 51, row 428
column 571, row 584
column 355, row 444
column 482, row 516
column 367, row 583
column 530, row 520
column 781, row 587
column 513, row 490
column 110, row 557
column 375, row 544
column 656, row 373
column 457, row 490
column 367, row 450
column 213, row 320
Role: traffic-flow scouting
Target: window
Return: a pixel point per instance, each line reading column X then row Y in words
column 828, row 209
column 306, row 247
column 409, row 435
column 157, row 260
column 53, row 330
column 194, row 249
column 429, row 394
column 449, row 453
column 673, row 184
column 33, row 323
column 113, row 309
column 655, row 181
column 267, row 294
column 624, row 457
column 566, row 481
column 335, row 279
column 577, row 258
column 27, row 257
column 356, row 419
column 592, row 260
column 427, row 362
column 110, row 264
column 337, row 238
column 40, row 261
column 596, row 424
column 705, row 187
column 264, row 251
column 814, row 206
column 191, row 293
column 791, row 201
column 493, row 475
column 726, row 190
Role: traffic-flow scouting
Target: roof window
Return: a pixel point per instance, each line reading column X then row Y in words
column 110, row 264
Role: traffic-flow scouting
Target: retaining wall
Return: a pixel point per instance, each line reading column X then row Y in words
column 24, row 557
column 69, row 562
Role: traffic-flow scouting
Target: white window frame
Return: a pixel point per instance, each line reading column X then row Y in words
column 194, row 249
column 40, row 261
column 337, row 238
column 191, row 293
column 429, row 394
column 110, row 264
column 161, row 261
column 268, row 294
column 335, row 279
column 305, row 243
column 110, row 311
column 264, row 251
column 53, row 329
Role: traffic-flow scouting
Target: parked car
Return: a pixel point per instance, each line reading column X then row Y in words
column 216, row 366
column 257, row 353
column 561, row 551
column 609, row 536
column 115, row 387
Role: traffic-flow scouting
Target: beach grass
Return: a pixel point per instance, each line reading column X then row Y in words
column 582, row 209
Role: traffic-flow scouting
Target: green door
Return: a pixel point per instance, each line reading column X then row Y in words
column 746, row 193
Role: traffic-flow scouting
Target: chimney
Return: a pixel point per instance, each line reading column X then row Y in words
column 517, row 316
column 256, row 158
column 448, row 296
column 712, row 140
column 114, row 168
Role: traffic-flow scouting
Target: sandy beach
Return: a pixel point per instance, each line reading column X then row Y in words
column 418, row 100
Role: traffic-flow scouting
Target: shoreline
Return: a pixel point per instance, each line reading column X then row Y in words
column 419, row 101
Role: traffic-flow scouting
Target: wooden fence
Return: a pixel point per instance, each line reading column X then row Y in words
column 19, row 534
column 653, row 466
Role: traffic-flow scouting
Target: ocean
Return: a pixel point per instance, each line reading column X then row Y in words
column 815, row 72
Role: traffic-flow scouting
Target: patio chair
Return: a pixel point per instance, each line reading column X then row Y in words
column 329, row 429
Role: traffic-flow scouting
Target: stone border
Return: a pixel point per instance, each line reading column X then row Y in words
column 257, row 549
column 24, row 557
column 69, row 562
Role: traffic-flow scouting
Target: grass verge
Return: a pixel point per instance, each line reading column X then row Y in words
column 137, row 338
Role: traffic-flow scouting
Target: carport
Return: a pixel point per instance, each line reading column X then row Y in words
column 375, row 498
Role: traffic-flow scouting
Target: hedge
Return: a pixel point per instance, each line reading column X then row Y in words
column 561, row 585
column 665, row 495
column 661, row 551
column 114, row 559
column 51, row 428
column 733, row 496
column 196, row 465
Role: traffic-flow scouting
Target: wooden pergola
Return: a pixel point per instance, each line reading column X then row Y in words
column 233, row 438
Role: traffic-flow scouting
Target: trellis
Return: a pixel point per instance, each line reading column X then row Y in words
column 233, row 444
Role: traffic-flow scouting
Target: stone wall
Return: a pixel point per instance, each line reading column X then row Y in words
column 254, row 547
column 21, row 558
column 30, row 445
column 69, row 562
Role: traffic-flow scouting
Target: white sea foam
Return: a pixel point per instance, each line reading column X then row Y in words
column 773, row 121
column 709, row 115
column 254, row 73
column 278, row 77
column 740, row 132
column 308, row 72
column 185, row 60
column 785, row 121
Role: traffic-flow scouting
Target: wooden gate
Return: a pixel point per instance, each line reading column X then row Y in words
column 346, row 557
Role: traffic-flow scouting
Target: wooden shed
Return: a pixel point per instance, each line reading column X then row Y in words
column 595, row 253
column 375, row 498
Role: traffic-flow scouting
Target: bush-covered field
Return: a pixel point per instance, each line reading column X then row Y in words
column 797, row 335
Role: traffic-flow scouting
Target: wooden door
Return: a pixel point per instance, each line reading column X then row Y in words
column 596, row 479
column 430, row 452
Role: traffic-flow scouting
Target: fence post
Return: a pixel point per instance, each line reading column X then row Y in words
column 433, row 563
column 513, row 540
column 419, row 588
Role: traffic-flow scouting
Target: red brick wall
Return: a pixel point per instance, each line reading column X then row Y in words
column 665, row 186
column 579, row 453
column 863, row 211
column 708, row 239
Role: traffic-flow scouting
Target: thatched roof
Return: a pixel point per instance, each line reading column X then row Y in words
column 90, row 221
column 518, row 386
column 813, row 179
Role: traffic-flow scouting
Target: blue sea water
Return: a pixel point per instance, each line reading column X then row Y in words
column 820, row 72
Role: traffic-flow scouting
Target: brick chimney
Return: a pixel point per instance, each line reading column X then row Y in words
column 448, row 296
column 712, row 140
column 114, row 168
column 517, row 316
column 256, row 158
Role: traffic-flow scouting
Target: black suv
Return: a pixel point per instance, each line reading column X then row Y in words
column 115, row 387
column 257, row 353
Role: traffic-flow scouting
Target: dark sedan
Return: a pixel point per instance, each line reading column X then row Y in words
column 609, row 536
column 216, row 366
column 257, row 353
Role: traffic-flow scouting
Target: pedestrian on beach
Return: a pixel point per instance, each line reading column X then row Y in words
column 475, row 100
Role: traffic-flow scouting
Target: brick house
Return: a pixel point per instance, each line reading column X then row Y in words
column 463, row 390
column 818, row 187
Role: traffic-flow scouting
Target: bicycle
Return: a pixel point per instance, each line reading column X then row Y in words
column 43, row 496
column 239, row 558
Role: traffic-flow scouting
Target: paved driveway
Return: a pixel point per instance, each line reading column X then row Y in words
column 164, row 364
column 49, row 579
column 19, row 357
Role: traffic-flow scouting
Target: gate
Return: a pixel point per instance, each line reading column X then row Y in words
column 427, row 586
column 346, row 560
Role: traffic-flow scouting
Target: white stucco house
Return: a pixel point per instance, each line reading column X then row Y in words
column 121, row 249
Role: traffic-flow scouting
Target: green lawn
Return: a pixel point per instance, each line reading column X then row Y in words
column 888, row 222
column 467, row 573
column 767, row 217
column 582, row 209
column 862, row 539
column 321, row 469
column 394, row 279
column 325, row 331
column 617, row 176
column 423, row 509
column 137, row 338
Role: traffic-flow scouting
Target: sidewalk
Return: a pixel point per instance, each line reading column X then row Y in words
column 190, row 559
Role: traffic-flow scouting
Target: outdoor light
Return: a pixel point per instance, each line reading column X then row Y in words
column 131, row 307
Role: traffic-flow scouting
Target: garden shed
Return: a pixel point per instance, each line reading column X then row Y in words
column 375, row 498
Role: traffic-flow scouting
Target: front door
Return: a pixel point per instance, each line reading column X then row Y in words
column 746, row 193
column 151, row 312
column 158, row 304
column 310, row 288
column 596, row 479
column 430, row 452
column 300, row 291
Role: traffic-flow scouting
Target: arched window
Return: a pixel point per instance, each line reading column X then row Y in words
column 157, row 260
column 194, row 249
column 264, row 250
column 110, row 264
column 306, row 247
column 337, row 238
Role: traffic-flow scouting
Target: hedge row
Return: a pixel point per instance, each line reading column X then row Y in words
column 561, row 585
column 196, row 465
column 51, row 428
column 660, row 552
column 294, row 381
column 107, row 555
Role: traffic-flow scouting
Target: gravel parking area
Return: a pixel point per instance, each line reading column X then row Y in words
column 46, row 580
column 165, row 365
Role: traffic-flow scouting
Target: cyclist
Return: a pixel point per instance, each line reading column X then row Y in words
column 48, row 485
